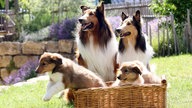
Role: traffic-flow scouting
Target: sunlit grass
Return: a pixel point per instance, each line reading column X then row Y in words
column 29, row 96
column 178, row 71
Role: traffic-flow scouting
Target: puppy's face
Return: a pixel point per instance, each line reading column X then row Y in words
column 47, row 62
column 129, row 72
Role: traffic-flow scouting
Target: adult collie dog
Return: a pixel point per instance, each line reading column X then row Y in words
column 97, row 43
column 133, row 44
column 64, row 73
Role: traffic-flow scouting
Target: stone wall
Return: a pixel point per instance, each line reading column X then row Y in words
column 20, row 53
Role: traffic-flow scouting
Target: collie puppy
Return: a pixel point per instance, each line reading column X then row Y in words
column 96, row 43
column 135, row 73
column 64, row 73
column 133, row 44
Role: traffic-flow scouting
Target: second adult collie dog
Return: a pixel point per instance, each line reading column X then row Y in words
column 133, row 44
column 64, row 73
column 97, row 43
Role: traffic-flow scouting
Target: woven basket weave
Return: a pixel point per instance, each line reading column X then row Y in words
column 129, row 96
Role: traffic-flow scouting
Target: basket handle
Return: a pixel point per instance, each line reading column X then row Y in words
column 163, row 79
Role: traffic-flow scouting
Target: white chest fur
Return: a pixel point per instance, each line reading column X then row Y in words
column 54, row 86
column 56, row 77
column 99, row 60
column 130, row 54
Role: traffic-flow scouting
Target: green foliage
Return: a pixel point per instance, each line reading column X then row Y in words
column 40, row 21
column 177, row 7
column 32, row 74
column 162, row 8
column 11, row 66
column 2, row 4
column 42, row 13
column 164, row 45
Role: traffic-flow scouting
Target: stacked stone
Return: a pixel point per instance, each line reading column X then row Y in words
column 20, row 53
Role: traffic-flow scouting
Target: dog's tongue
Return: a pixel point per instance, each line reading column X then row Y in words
column 85, row 26
column 125, row 34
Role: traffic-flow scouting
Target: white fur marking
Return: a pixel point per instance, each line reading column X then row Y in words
column 130, row 54
column 54, row 86
column 97, row 59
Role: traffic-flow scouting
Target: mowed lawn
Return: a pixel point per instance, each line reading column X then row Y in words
column 178, row 71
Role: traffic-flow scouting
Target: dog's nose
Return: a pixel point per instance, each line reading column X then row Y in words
column 36, row 72
column 118, row 30
column 119, row 77
column 80, row 20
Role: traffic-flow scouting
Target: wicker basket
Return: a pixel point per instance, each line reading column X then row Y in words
column 130, row 96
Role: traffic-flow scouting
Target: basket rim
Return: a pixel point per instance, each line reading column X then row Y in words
column 122, row 87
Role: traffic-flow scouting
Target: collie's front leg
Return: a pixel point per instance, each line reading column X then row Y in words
column 52, row 89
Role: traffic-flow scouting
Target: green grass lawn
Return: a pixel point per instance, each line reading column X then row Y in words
column 178, row 71
column 29, row 96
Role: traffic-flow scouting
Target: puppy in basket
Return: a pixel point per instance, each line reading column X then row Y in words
column 64, row 73
column 135, row 73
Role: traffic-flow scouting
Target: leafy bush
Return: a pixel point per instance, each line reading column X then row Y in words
column 166, row 47
column 11, row 66
column 177, row 7
column 24, row 73
column 64, row 29
column 40, row 21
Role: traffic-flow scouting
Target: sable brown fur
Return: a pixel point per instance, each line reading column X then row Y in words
column 135, row 73
column 96, row 42
column 74, row 75
column 101, row 30
column 139, row 39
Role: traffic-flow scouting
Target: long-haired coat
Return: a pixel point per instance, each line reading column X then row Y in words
column 64, row 73
column 97, row 43
column 133, row 44
column 134, row 72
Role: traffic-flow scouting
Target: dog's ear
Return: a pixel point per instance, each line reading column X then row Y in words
column 136, row 69
column 83, row 8
column 137, row 16
column 57, row 60
column 100, row 8
column 123, row 16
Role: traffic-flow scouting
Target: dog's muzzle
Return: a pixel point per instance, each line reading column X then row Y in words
column 122, row 34
column 85, row 25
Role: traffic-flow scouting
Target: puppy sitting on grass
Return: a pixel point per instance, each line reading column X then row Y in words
column 135, row 73
column 64, row 73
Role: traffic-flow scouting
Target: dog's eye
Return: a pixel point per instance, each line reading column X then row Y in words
column 128, row 23
column 126, row 70
column 43, row 64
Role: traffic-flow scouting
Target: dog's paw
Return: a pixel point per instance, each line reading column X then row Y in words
column 46, row 98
